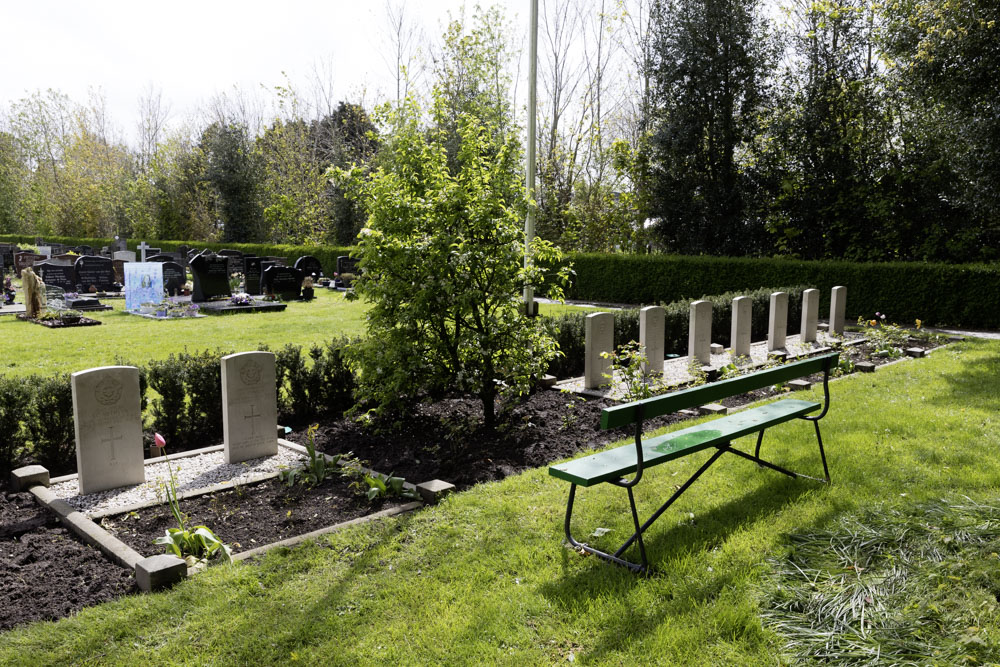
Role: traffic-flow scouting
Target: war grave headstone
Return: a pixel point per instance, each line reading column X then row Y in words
column 599, row 337
column 652, row 322
column 174, row 277
column 23, row 260
column 284, row 282
column 309, row 266
column 739, row 333
column 250, row 406
column 57, row 274
column 107, row 421
column 777, row 322
column 96, row 274
column 143, row 287
column 252, row 274
column 700, row 332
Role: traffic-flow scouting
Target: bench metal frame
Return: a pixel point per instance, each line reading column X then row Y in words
column 642, row 567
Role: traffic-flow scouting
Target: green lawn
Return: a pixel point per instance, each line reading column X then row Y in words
column 30, row 348
column 484, row 578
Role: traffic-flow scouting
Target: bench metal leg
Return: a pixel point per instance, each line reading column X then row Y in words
column 635, row 567
column 822, row 454
column 760, row 439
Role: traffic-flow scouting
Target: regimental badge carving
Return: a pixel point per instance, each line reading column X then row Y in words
column 250, row 373
column 108, row 391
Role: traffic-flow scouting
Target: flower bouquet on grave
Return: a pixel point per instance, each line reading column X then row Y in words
column 8, row 291
column 241, row 299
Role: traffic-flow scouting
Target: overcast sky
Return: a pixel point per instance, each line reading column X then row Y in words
column 192, row 50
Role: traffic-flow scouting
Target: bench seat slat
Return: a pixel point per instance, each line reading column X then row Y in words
column 616, row 463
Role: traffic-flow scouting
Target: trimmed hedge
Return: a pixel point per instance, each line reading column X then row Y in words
column 569, row 329
column 36, row 415
column 946, row 294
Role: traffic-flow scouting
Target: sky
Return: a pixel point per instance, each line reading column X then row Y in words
column 191, row 51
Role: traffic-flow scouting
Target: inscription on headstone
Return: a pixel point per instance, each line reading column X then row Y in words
column 309, row 266
column 283, row 281
column 57, row 275
column 108, row 427
column 23, row 260
column 250, row 406
column 96, row 272
column 174, row 277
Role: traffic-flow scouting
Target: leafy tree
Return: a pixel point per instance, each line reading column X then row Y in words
column 711, row 60
column 443, row 265
column 233, row 174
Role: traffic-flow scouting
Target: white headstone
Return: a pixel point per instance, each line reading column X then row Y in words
column 700, row 332
column 838, row 303
column 107, row 420
column 739, row 333
column 599, row 337
column 810, row 315
column 651, row 324
column 249, row 406
column 124, row 255
column 777, row 321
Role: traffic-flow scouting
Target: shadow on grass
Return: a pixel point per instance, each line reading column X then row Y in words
column 579, row 587
column 976, row 380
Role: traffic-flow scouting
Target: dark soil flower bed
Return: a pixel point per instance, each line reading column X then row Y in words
column 251, row 516
column 46, row 573
column 60, row 323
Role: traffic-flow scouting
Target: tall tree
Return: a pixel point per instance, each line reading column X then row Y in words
column 233, row 173
column 711, row 60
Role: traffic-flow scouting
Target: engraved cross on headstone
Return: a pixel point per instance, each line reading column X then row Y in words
column 253, row 419
column 110, row 440
column 143, row 247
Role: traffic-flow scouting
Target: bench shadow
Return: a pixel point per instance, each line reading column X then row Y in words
column 576, row 589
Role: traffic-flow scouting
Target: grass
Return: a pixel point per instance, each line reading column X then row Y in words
column 483, row 578
column 29, row 348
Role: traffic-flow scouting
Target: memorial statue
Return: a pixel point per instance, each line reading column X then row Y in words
column 34, row 293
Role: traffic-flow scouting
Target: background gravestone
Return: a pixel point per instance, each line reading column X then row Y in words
column 283, row 281
column 23, row 260
column 108, row 427
column 309, row 266
column 143, row 284
column 250, row 406
column 57, row 275
column 235, row 258
column 252, row 274
column 124, row 255
column 95, row 271
column 210, row 277
column 162, row 257
column 174, row 277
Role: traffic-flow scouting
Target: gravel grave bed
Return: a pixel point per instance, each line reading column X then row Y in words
column 190, row 473
column 46, row 573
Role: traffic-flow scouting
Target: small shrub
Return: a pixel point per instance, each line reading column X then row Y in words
column 50, row 423
column 167, row 378
column 15, row 397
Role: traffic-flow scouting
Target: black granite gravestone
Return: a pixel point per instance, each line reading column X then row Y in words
column 97, row 272
column 57, row 275
column 174, row 277
column 252, row 274
column 309, row 266
column 283, row 281
column 159, row 258
column 210, row 275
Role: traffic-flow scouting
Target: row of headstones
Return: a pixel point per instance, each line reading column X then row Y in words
column 108, row 420
column 600, row 331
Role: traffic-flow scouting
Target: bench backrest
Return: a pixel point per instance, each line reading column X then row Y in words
column 629, row 413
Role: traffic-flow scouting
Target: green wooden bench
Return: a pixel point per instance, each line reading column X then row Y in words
column 613, row 465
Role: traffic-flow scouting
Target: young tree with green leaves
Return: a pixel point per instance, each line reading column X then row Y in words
column 442, row 256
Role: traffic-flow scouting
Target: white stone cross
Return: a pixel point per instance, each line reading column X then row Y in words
column 110, row 442
column 253, row 419
column 143, row 247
